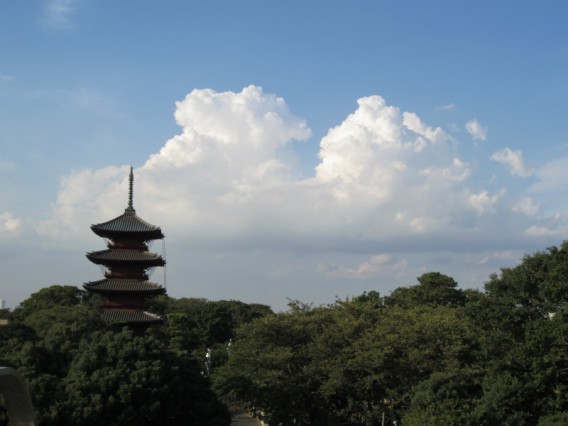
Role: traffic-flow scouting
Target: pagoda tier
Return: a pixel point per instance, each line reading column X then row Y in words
column 126, row 258
column 132, row 318
column 128, row 227
column 126, row 287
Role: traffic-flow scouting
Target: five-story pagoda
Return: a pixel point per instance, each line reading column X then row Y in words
column 126, row 285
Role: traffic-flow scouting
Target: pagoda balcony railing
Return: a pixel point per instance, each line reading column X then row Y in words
column 127, row 245
column 126, row 275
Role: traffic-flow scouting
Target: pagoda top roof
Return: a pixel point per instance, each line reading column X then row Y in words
column 126, row 256
column 124, row 286
column 130, row 316
column 128, row 224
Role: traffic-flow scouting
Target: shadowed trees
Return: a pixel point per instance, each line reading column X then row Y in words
column 427, row 354
column 82, row 371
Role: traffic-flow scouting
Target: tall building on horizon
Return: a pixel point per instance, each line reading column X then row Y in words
column 126, row 286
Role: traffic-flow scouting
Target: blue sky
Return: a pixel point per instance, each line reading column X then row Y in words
column 302, row 150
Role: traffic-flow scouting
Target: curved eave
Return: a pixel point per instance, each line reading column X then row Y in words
column 130, row 235
column 124, row 286
column 128, row 316
column 128, row 225
column 145, row 259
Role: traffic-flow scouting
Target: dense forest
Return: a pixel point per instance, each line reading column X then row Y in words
column 426, row 354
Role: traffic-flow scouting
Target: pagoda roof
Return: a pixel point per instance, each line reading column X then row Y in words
column 124, row 286
column 130, row 225
column 130, row 316
column 109, row 256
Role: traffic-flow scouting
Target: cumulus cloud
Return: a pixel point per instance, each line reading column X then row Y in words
column 484, row 202
column 390, row 198
column 384, row 178
column 476, row 130
column 527, row 206
column 86, row 197
column 513, row 159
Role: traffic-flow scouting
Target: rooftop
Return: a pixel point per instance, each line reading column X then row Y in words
column 124, row 286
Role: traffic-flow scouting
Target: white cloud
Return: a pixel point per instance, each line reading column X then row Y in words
column 483, row 202
column 447, row 107
column 86, row 197
column 9, row 224
column 551, row 176
column 385, row 181
column 506, row 256
column 514, row 159
column 476, row 130
column 369, row 268
column 223, row 178
column 540, row 231
column 527, row 206
column 555, row 225
column 230, row 129
column 58, row 14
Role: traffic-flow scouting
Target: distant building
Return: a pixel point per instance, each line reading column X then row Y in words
column 126, row 286
column 3, row 321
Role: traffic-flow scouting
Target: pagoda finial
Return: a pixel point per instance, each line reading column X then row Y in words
column 130, row 208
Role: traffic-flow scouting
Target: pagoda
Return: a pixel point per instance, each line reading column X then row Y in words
column 126, row 286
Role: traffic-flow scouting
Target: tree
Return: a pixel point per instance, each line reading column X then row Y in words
column 53, row 296
column 538, row 286
column 121, row 379
column 269, row 369
column 348, row 363
column 434, row 289
column 81, row 372
column 197, row 324
column 446, row 397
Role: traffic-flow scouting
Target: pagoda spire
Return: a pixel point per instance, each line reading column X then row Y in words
column 130, row 208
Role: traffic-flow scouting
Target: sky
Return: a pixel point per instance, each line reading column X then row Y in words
column 297, row 150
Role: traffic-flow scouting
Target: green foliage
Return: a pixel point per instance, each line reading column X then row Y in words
column 539, row 285
column 197, row 324
column 428, row 354
column 50, row 297
column 81, row 372
column 268, row 368
column 434, row 289
column 445, row 397
column 128, row 379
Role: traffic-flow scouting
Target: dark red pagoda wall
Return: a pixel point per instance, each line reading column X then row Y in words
column 123, row 301
column 128, row 273
column 127, row 244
